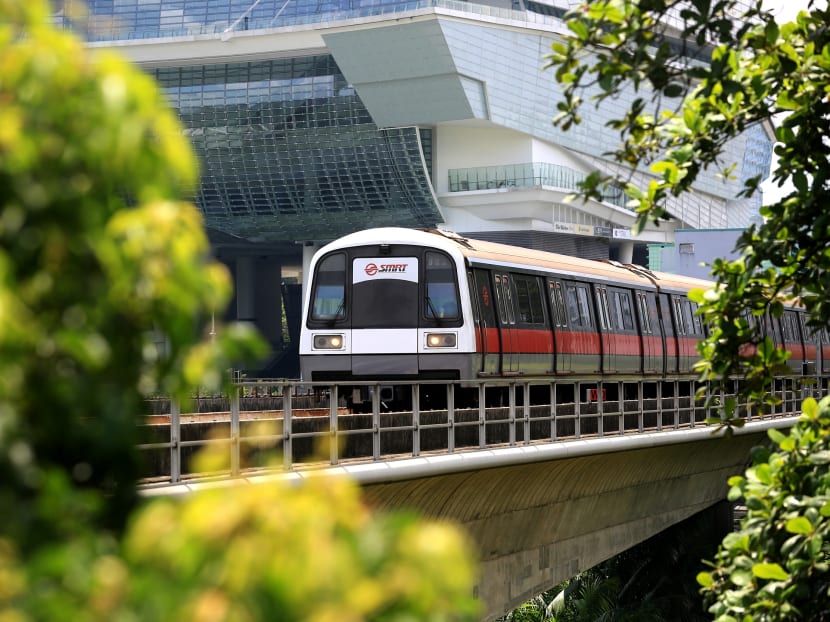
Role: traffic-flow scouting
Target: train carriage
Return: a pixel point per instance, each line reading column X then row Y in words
column 402, row 304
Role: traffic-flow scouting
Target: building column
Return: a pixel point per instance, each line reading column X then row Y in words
column 268, row 300
column 246, row 289
column 627, row 251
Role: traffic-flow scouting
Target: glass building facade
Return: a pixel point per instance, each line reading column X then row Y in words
column 288, row 148
column 316, row 118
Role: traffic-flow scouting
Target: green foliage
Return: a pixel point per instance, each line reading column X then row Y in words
column 275, row 552
column 776, row 567
column 694, row 90
column 652, row 581
column 97, row 250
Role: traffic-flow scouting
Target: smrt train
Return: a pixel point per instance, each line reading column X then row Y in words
column 404, row 304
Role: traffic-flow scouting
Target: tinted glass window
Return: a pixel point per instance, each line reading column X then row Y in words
column 579, row 313
column 627, row 314
column 558, row 304
column 329, row 302
column 441, row 293
column 529, row 299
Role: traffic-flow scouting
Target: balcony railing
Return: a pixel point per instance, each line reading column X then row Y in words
column 526, row 175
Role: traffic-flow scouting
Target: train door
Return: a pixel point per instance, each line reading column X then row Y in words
column 562, row 354
column 628, row 350
column 507, row 323
column 670, row 335
column 651, row 338
column 584, row 339
column 533, row 327
column 812, row 346
column 684, row 328
column 608, row 342
column 487, row 332
column 793, row 342
column 824, row 340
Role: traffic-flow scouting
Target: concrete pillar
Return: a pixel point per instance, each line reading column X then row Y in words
column 627, row 251
column 268, row 299
column 246, row 289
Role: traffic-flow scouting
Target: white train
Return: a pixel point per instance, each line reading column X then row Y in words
column 403, row 304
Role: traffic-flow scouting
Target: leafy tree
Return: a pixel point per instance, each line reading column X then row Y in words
column 654, row 580
column 725, row 68
column 776, row 567
column 693, row 88
column 97, row 250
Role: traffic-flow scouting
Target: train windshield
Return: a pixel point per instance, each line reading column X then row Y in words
column 385, row 293
column 330, row 289
column 441, row 301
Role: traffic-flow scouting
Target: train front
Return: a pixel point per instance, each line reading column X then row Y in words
column 387, row 304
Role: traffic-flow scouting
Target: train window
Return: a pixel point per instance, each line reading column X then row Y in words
column 615, row 310
column 329, row 297
column 584, row 309
column 557, row 303
column 623, row 304
column 508, row 300
column 579, row 313
column 529, row 299
column 500, row 299
column 601, row 312
column 688, row 317
column 604, row 315
column 504, row 299
column 696, row 319
column 488, row 314
column 645, row 320
column 678, row 316
column 441, row 299
column 812, row 334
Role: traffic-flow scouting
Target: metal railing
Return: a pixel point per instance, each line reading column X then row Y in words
column 314, row 425
column 526, row 175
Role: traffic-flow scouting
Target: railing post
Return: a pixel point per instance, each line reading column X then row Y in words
column 482, row 416
column 621, row 405
column 578, row 410
column 526, row 409
column 659, row 421
column 641, row 390
column 235, row 431
column 450, row 418
column 333, row 449
column 416, row 417
column 376, row 428
column 676, row 404
column 553, row 411
column 287, row 418
column 600, row 410
column 511, row 413
column 175, row 446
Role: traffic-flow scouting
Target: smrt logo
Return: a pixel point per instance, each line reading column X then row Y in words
column 373, row 269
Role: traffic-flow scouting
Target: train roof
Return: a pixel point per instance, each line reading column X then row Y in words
column 480, row 251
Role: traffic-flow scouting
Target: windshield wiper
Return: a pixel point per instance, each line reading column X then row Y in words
column 432, row 310
column 336, row 316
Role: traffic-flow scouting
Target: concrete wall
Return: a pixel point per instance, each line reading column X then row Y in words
column 536, row 525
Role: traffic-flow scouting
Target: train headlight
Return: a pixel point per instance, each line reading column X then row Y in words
column 328, row 342
column 441, row 340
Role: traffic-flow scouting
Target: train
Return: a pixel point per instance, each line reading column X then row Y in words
column 391, row 304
